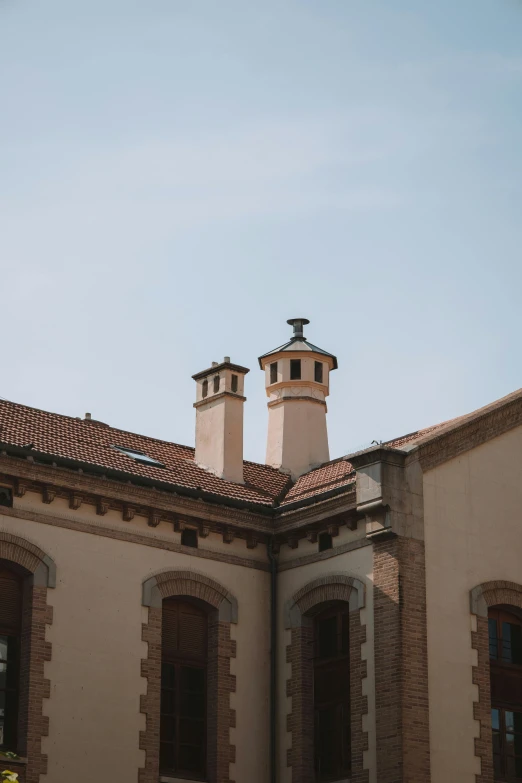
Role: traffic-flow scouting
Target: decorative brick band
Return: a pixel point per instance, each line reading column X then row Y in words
column 35, row 651
column 401, row 661
column 221, row 683
column 300, row 721
column 481, row 598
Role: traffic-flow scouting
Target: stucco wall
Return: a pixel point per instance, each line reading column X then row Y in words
column 97, row 648
column 358, row 563
column 473, row 524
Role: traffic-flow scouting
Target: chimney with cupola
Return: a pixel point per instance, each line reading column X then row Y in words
column 219, row 419
column 297, row 376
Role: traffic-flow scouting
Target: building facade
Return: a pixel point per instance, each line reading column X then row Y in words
column 173, row 614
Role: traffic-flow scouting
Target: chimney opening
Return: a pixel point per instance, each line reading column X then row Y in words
column 273, row 372
column 295, row 369
column 234, row 383
column 204, row 388
column 318, row 372
column 216, row 384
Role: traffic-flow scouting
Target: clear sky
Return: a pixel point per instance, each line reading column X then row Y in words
column 179, row 177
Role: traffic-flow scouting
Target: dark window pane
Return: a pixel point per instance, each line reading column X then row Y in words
column 325, row 541
column 516, row 644
column 192, row 680
column 493, row 641
column 495, row 719
column 167, row 756
column 204, row 390
column 168, row 729
column 327, row 637
column 191, row 732
column 234, row 383
column 273, row 372
column 345, row 634
column 189, row 538
column 496, row 742
column 518, row 767
column 510, row 721
column 168, row 675
column 191, row 759
column 318, row 372
column 216, row 384
column 167, row 702
column 295, row 369
column 497, row 764
column 193, row 705
column 3, row 648
column 6, row 497
column 325, row 743
column 3, row 675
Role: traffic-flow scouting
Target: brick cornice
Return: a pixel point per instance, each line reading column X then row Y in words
column 477, row 428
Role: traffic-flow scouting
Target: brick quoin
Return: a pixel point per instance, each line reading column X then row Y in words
column 35, row 651
column 299, row 654
column 401, row 662
column 220, row 682
column 495, row 593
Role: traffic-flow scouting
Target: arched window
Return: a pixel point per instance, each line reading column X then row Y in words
column 505, row 654
column 11, row 584
column 332, row 693
column 183, row 729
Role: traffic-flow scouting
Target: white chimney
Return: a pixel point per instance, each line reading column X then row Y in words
column 219, row 419
column 297, row 384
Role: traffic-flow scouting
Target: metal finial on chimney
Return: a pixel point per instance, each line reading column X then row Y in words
column 298, row 324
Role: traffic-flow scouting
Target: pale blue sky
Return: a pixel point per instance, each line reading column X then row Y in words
column 179, row 177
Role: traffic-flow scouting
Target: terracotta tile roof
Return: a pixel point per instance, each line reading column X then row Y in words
column 93, row 443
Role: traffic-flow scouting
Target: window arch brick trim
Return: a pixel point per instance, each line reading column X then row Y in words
column 333, row 587
column 34, row 686
column 221, row 683
column 191, row 583
column 481, row 598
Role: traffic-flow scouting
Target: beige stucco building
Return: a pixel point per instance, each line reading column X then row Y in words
column 173, row 614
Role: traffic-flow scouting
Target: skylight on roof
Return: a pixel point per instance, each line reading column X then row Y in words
column 139, row 456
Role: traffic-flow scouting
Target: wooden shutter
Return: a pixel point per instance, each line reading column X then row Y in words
column 10, row 600
column 184, row 631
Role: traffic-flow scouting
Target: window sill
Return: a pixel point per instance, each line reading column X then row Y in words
column 167, row 779
column 6, row 761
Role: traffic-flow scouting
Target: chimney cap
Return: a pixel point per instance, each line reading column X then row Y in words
column 298, row 324
column 226, row 365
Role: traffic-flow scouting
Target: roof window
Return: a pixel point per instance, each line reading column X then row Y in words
column 139, row 456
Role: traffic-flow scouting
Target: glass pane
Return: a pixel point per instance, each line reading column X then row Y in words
column 517, row 721
column 192, row 732
column 496, row 742
column 192, row 680
column 327, row 637
column 3, row 675
column 167, row 756
column 493, row 641
column 3, row 648
column 518, row 767
column 168, row 675
column 497, row 764
column 512, row 643
column 2, row 718
column 325, row 733
column 495, row 719
column 510, row 721
column 193, row 705
column 167, row 702
column 167, row 729
column 345, row 634
column 191, row 759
